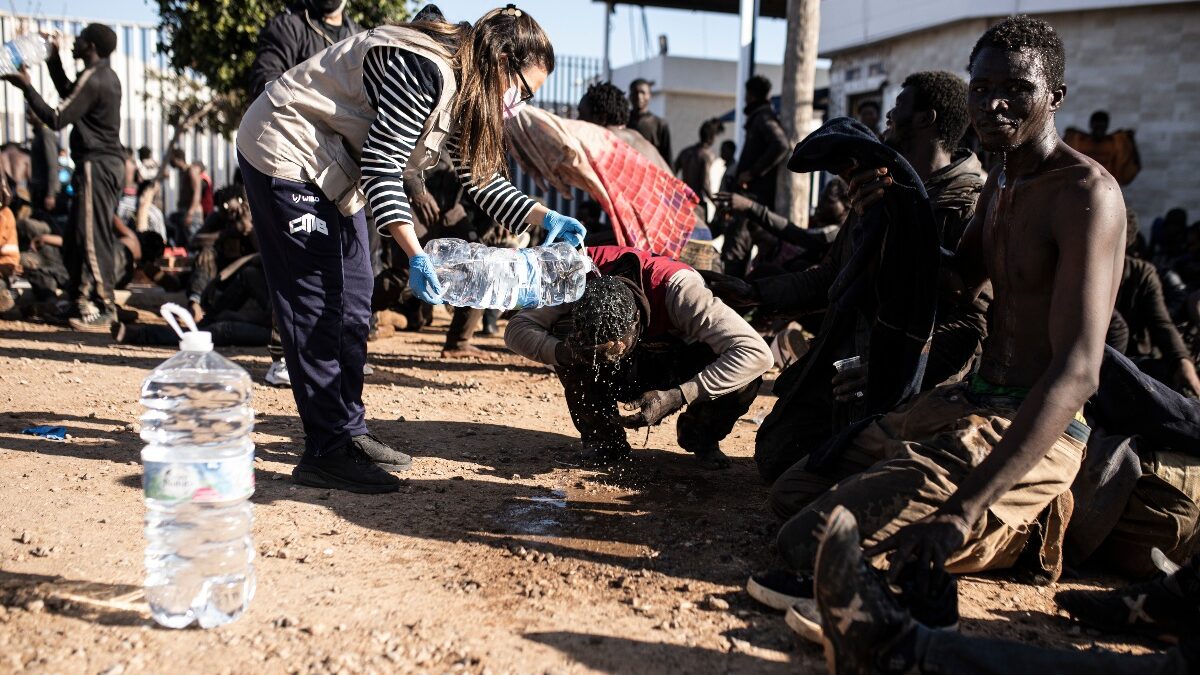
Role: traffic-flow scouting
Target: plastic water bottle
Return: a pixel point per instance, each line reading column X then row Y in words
column 474, row 275
column 27, row 50
column 199, row 475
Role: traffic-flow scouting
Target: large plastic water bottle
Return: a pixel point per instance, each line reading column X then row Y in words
column 474, row 275
column 27, row 50
column 199, row 475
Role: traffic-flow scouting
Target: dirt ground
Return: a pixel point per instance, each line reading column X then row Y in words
column 497, row 556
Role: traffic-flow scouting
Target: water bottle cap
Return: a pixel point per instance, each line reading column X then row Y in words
column 196, row 341
column 192, row 340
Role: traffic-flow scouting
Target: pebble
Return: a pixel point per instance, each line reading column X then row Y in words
column 714, row 603
column 35, row 606
column 26, row 537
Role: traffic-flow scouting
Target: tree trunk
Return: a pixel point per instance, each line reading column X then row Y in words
column 799, row 78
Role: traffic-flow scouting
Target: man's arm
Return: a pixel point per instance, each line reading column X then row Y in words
column 528, row 333
column 741, row 353
column 1090, row 238
column 806, row 291
column 70, row 110
column 197, row 188
column 63, row 84
column 1163, row 333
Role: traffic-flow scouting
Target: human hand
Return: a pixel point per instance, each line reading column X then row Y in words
column 866, row 188
column 21, row 78
column 925, row 544
column 565, row 227
column 653, row 408
column 426, row 208
column 1186, row 379
column 850, row 385
column 731, row 290
column 423, row 281
column 734, row 201
column 197, row 311
column 53, row 39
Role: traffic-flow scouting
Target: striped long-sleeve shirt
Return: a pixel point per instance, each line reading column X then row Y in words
column 404, row 87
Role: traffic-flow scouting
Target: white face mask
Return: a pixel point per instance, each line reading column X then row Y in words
column 512, row 102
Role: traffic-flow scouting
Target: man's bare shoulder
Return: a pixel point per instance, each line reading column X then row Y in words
column 1085, row 194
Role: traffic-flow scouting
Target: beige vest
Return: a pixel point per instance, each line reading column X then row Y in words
column 310, row 125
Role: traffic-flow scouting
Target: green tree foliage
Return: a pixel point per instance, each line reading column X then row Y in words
column 214, row 41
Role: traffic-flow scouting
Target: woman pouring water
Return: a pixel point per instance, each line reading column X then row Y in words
column 335, row 135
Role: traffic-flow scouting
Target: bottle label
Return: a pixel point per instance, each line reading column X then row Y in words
column 223, row 481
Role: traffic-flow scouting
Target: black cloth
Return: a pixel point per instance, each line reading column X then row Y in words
column 1128, row 404
column 90, row 105
column 654, row 129
column 1141, row 304
column 289, row 39
column 44, row 181
column 881, row 272
column 763, row 152
column 90, row 241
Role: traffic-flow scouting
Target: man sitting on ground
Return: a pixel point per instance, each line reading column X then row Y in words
column 925, row 127
column 650, row 333
column 965, row 476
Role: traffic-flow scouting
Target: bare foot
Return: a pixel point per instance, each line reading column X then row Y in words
column 468, row 352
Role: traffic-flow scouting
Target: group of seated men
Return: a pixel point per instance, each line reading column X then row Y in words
column 957, row 378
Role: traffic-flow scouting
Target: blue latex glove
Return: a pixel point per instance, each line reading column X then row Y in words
column 563, row 227
column 423, row 281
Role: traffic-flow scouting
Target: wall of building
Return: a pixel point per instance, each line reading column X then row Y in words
column 1141, row 64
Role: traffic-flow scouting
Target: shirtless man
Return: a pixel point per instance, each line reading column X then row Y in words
column 960, row 477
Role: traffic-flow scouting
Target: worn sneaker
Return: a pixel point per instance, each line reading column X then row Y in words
column 932, row 599
column 93, row 321
column 382, row 454
column 345, row 468
column 1161, row 608
column 865, row 626
column 780, row 589
column 707, row 452
column 277, row 375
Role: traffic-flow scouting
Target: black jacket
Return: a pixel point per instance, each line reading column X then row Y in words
column 289, row 39
column 763, row 152
column 90, row 105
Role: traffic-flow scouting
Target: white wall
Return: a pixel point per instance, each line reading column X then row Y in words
column 852, row 23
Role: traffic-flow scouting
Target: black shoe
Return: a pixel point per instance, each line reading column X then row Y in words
column 1159, row 608
column 866, row 630
column 708, row 453
column 345, row 468
column 779, row 589
column 382, row 454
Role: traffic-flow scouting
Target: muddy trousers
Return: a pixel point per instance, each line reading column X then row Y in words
column 318, row 266
column 91, row 242
column 592, row 396
column 952, row 653
column 907, row 464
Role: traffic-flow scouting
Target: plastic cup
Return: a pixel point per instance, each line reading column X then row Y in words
column 848, row 364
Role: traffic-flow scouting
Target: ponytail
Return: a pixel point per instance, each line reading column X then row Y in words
column 481, row 73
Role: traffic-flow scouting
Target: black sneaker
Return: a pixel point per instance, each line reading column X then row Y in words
column 779, row 589
column 94, row 321
column 1159, row 608
column 345, row 468
column 867, row 631
column 708, row 453
column 382, row 454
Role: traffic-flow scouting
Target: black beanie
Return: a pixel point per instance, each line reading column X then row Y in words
column 102, row 37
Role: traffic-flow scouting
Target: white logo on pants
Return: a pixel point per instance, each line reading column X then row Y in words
column 308, row 223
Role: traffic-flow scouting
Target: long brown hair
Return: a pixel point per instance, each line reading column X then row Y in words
column 482, row 76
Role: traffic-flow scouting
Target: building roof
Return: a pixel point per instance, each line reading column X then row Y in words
column 775, row 9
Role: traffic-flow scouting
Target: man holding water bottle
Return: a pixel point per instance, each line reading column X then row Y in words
column 91, row 106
